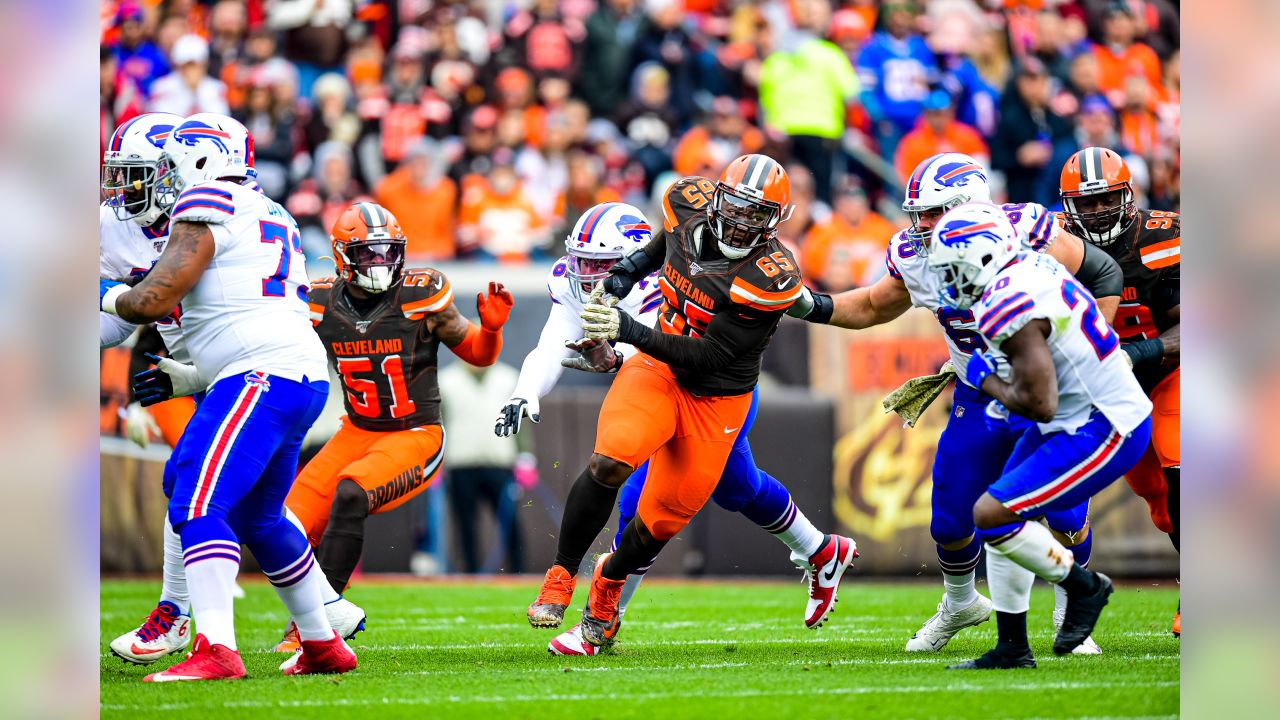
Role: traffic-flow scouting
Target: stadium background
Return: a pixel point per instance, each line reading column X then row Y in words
column 488, row 126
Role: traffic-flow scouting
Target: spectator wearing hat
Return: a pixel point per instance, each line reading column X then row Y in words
column 137, row 58
column 896, row 68
column 189, row 89
column 612, row 32
column 1120, row 56
column 649, row 120
column 938, row 131
column 497, row 221
column 515, row 95
column 228, row 27
column 715, row 141
column 1031, row 139
column 583, row 191
column 423, row 199
column 846, row 250
column 413, row 109
column 1096, row 124
column 1139, row 126
column 331, row 117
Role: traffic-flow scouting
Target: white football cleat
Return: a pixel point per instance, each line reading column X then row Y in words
column 570, row 642
column 938, row 630
column 1088, row 647
column 824, row 570
column 163, row 633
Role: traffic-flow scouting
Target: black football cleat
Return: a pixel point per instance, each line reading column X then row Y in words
column 998, row 658
column 1082, row 615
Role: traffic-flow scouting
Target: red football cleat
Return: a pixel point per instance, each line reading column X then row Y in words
column 323, row 657
column 826, row 570
column 204, row 662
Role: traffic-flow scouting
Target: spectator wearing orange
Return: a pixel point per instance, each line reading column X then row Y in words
column 543, row 39
column 423, row 199
column 516, row 97
column 938, row 131
column 497, row 220
column 479, row 139
column 583, row 191
column 1139, row 126
column 723, row 135
column 847, row 249
column 1121, row 56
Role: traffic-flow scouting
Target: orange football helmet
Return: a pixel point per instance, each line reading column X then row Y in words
column 368, row 247
column 752, row 198
column 1097, row 195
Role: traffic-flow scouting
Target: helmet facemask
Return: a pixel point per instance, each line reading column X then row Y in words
column 584, row 272
column 918, row 237
column 136, row 190
column 964, row 281
column 1102, row 217
column 741, row 223
column 374, row 265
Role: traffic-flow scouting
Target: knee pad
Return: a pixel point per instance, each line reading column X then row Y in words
column 350, row 501
column 609, row 472
column 947, row 527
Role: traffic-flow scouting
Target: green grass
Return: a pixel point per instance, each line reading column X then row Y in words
column 719, row 651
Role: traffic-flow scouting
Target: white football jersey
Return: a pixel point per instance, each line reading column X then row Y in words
column 128, row 250
column 541, row 369
column 1086, row 351
column 1037, row 228
column 249, row 309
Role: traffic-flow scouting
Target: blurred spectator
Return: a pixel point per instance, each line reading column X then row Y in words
column 137, row 58
column 847, row 249
column 543, row 41
column 1156, row 21
column 896, row 68
column 648, row 120
column 331, row 120
column 1139, row 127
column 1168, row 102
column 612, row 32
column 1120, row 56
column 270, row 121
column 228, row 24
column 1030, row 136
column 938, row 131
column 497, row 221
column 454, row 66
column 423, row 198
column 412, row 109
column 1096, row 124
column 666, row 41
column 478, row 141
column 582, row 192
column 321, row 198
column 257, row 58
column 722, row 136
column 313, row 35
column 189, row 89
column 516, row 97
column 118, row 97
column 956, row 25
column 990, row 56
column 804, row 89
column 1082, row 79
column 849, row 30
column 545, row 174
column 480, row 465
column 806, row 211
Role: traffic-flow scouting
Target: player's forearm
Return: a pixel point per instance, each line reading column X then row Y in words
column 540, row 372
column 186, row 255
column 480, row 347
column 1022, row 398
column 700, row 353
column 1172, row 340
column 635, row 267
column 145, row 304
column 857, row 309
column 112, row 330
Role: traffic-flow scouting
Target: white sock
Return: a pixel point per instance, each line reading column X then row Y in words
column 1009, row 583
column 1034, row 548
column 211, row 580
column 327, row 593
column 174, row 587
column 628, row 589
column 962, row 590
column 1059, row 601
column 801, row 536
column 304, row 603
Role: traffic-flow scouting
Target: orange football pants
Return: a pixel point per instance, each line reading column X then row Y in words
column 647, row 415
column 392, row 467
column 1147, row 478
column 172, row 416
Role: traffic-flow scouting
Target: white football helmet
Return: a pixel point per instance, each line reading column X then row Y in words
column 132, row 184
column 600, row 238
column 208, row 146
column 971, row 243
column 941, row 183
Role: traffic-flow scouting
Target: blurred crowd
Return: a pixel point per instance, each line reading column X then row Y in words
column 487, row 126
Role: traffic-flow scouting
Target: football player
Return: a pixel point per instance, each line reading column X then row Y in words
column 683, row 399
column 969, row 457
column 234, row 260
column 1061, row 387
column 382, row 326
column 1098, row 204
column 603, row 236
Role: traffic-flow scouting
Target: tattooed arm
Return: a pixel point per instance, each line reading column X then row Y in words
column 185, row 257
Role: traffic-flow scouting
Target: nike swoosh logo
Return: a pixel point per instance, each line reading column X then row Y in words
column 785, row 285
column 729, row 430
column 835, row 564
column 143, row 651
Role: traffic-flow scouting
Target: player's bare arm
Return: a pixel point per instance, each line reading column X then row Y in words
column 1032, row 391
column 449, row 326
column 884, row 300
column 185, row 257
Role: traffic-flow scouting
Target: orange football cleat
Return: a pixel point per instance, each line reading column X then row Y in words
column 600, row 619
column 291, row 642
column 1177, row 623
column 553, row 598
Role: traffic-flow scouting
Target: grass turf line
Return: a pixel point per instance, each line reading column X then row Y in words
column 686, row 650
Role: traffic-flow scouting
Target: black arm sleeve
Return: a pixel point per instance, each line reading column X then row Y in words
column 635, row 267
column 1100, row 273
column 1167, row 294
column 729, row 334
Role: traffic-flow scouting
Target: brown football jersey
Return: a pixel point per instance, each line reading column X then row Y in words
column 385, row 354
column 698, row 283
column 1149, row 254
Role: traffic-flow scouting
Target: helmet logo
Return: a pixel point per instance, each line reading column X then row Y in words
column 958, row 174
column 158, row 134
column 191, row 133
column 634, row 228
column 959, row 234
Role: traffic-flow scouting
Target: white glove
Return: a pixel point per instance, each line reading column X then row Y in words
column 139, row 426
column 596, row 356
column 512, row 415
column 168, row 379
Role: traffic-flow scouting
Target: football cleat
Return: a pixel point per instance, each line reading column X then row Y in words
column 938, row 630
column 321, row 657
column 1176, row 628
column 163, row 633
column 1081, row 616
column 998, row 658
column 1088, row 647
column 570, row 642
column 824, row 570
column 345, row 617
column 204, row 662
column 553, row 598
column 600, row 619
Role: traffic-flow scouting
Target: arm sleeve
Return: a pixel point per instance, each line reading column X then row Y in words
column 1100, row 273
column 113, row 330
column 635, row 267
column 729, row 335
column 541, row 369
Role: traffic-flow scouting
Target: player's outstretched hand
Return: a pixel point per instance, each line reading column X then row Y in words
column 168, row 379
column 595, row 356
column 496, row 308
column 512, row 415
column 600, row 297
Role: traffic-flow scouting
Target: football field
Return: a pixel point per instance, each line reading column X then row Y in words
column 716, row 650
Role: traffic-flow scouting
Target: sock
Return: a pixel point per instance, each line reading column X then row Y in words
column 586, row 510
column 1011, row 632
column 1173, row 477
column 211, row 559
column 174, row 587
column 637, row 549
column 628, row 590
column 1059, row 604
column 773, row 509
column 1080, row 580
column 289, row 564
column 1032, row 546
column 1009, row 584
column 957, row 574
column 327, row 593
column 341, row 546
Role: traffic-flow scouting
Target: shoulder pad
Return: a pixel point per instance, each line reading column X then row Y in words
column 423, row 292
column 1001, row 313
column 558, row 281
column 1160, row 239
column 1034, row 222
column 207, row 202
column 770, row 283
column 318, row 294
column 685, row 198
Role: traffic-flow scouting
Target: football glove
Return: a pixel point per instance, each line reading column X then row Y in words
column 108, row 292
column 914, row 396
column 512, row 416
column 139, row 426
column 980, row 366
column 496, row 308
column 1002, row 421
column 814, row 307
column 600, row 319
column 595, row 356
column 168, row 379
